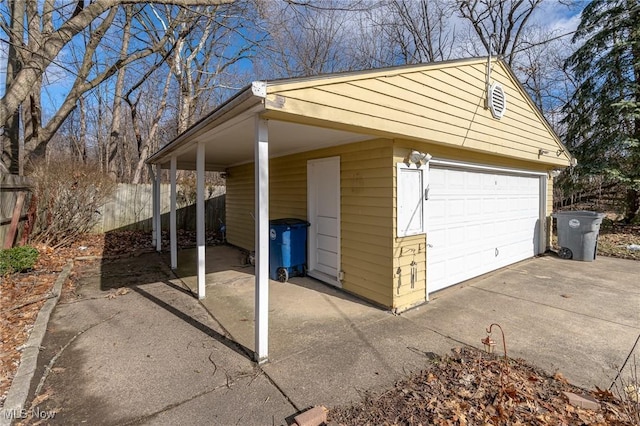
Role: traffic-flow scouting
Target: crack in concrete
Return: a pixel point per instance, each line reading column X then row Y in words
column 554, row 307
column 142, row 419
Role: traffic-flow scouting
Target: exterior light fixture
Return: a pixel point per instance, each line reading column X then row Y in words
column 418, row 158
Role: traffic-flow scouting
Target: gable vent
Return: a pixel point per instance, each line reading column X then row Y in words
column 497, row 100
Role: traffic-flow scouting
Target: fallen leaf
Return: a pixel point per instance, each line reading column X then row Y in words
column 559, row 377
column 40, row 399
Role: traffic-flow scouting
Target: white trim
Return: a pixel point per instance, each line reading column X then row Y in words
column 154, row 195
column 542, row 228
column 325, row 278
column 311, row 242
column 172, row 215
column 465, row 165
column 261, row 310
column 158, row 209
column 425, row 187
column 200, row 231
column 259, row 88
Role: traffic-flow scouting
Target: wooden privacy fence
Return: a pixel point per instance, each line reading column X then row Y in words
column 131, row 208
column 15, row 196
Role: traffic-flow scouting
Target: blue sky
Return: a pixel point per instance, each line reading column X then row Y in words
column 552, row 15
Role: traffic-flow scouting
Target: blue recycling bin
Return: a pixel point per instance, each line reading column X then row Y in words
column 287, row 248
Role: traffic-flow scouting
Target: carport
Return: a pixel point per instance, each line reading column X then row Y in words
column 351, row 154
column 238, row 133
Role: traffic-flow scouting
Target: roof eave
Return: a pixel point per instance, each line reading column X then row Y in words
column 245, row 99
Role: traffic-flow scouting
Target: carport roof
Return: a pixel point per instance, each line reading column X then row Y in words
column 301, row 119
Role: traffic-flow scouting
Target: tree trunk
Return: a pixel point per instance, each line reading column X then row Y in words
column 115, row 132
column 143, row 146
column 11, row 143
column 82, row 140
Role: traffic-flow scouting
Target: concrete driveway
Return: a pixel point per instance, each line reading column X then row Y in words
column 577, row 318
column 156, row 355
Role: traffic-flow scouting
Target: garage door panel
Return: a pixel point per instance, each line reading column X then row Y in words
column 478, row 221
column 489, row 206
column 438, row 237
column 474, row 207
column 456, row 209
column 438, row 213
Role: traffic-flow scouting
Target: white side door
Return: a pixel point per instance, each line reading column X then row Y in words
column 323, row 212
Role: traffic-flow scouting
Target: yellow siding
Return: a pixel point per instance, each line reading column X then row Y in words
column 366, row 210
column 405, row 251
column 240, row 205
column 443, row 105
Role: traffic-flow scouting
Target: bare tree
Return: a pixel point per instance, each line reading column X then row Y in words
column 52, row 26
column 143, row 144
column 309, row 38
column 539, row 65
column 206, row 43
column 11, row 130
column 419, row 31
column 115, row 145
column 499, row 23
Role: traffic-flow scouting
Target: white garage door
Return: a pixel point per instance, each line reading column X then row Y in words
column 479, row 221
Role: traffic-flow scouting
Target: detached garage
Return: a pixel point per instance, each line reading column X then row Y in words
column 413, row 178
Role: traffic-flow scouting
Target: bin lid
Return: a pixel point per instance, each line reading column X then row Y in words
column 579, row 213
column 290, row 222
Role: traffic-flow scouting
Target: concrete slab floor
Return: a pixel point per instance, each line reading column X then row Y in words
column 579, row 318
column 157, row 355
column 148, row 356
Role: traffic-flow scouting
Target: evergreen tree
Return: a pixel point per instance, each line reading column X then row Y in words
column 603, row 115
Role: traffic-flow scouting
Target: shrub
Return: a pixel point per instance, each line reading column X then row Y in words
column 68, row 196
column 17, row 259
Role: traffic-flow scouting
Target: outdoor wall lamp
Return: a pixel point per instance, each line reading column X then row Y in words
column 416, row 157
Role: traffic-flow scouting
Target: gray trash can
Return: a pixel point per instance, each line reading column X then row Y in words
column 578, row 234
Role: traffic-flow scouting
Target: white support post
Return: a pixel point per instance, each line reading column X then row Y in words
column 172, row 215
column 158, row 209
column 261, row 157
column 200, row 219
column 154, row 195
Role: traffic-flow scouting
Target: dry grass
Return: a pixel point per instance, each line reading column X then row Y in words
column 616, row 244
